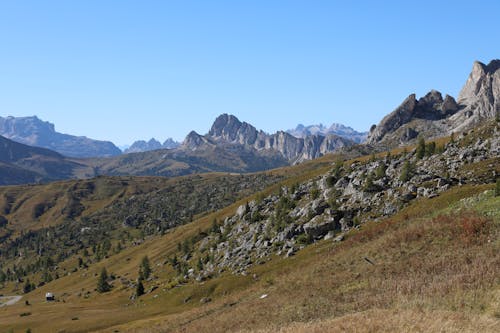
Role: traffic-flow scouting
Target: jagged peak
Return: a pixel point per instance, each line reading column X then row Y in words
column 223, row 121
column 491, row 67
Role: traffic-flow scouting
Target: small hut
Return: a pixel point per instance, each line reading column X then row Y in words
column 49, row 297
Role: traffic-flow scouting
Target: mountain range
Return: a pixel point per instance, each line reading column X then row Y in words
column 302, row 131
column 35, row 132
column 235, row 146
column 152, row 144
column 398, row 232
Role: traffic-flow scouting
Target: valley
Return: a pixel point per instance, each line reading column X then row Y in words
column 243, row 231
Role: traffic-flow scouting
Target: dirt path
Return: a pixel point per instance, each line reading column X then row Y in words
column 9, row 300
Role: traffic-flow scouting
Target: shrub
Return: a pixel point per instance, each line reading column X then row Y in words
column 430, row 149
column 497, row 188
column 304, row 239
column 473, row 227
column 330, row 181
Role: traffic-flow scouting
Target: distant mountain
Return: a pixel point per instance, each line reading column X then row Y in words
column 302, row 131
column 229, row 146
column 152, row 144
column 228, row 129
column 434, row 116
column 35, row 132
column 20, row 164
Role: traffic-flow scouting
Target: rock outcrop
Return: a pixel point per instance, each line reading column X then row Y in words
column 480, row 96
column 433, row 116
column 431, row 107
column 227, row 129
column 35, row 132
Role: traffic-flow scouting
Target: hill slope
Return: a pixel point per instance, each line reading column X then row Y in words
column 435, row 256
column 21, row 164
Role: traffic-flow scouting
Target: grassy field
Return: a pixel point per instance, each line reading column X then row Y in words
column 434, row 268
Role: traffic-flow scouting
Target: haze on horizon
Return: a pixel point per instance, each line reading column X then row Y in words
column 125, row 70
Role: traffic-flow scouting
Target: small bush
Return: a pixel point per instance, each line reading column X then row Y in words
column 497, row 188
column 473, row 227
column 330, row 181
column 315, row 192
column 304, row 239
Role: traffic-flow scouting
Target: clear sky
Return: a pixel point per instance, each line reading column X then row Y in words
column 126, row 70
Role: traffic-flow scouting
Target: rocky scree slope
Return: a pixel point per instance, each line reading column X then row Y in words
column 35, row 132
column 327, row 207
column 434, row 116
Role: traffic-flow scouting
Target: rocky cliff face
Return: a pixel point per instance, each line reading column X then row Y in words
column 480, row 96
column 431, row 107
column 433, row 116
column 228, row 129
column 35, row 132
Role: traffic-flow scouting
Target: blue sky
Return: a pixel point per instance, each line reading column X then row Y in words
column 127, row 70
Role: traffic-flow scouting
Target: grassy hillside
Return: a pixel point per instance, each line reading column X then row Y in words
column 440, row 265
column 432, row 266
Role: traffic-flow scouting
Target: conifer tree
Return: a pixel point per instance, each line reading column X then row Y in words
column 420, row 148
column 139, row 290
column 145, row 268
column 102, row 283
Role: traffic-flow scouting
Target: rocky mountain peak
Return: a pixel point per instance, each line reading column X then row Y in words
column 482, row 89
column 230, row 129
column 193, row 141
column 431, row 107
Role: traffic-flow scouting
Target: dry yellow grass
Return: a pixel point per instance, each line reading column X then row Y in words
column 385, row 321
column 423, row 268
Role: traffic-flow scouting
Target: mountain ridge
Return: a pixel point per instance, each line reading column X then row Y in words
column 301, row 131
column 20, row 164
column 36, row 132
column 433, row 116
column 153, row 144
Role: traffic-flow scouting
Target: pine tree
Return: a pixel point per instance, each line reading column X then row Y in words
column 102, row 283
column 139, row 290
column 27, row 286
column 406, row 172
column 145, row 268
column 420, row 148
